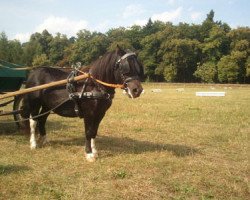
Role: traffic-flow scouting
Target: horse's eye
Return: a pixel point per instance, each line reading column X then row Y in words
column 125, row 67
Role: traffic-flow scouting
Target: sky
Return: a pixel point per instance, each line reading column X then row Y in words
column 21, row 18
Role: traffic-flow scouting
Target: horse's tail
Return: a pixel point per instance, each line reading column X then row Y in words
column 25, row 113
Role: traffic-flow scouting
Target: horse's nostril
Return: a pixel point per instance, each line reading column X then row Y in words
column 135, row 90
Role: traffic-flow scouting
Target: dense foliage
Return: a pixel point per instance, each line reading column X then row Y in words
column 211, row 52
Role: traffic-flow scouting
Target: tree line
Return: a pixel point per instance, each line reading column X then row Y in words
column 210, row 52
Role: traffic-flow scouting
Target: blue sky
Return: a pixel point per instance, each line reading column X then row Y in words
column 20, row 18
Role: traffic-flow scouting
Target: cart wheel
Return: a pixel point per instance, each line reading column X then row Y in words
column 17, row 106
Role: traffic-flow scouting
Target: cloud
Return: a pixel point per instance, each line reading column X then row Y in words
column 171, row 2
column 168, row 16
column 102, row 27
column 22, row 37
column 63, row 25
column 55, row 25
column 139, row 22
column 133, row 10
column 195, row 15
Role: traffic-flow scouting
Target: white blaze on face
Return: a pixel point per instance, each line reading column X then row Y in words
column 32, row 134
column 130, row 93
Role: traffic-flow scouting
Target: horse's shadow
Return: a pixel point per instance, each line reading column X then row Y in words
column 9, row 129
column 117, row 145
column 111, row 144
column 9, row 169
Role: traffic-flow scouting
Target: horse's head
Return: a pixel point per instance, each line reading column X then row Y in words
column 128, row 71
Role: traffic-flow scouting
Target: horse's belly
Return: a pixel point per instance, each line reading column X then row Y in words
column 66, row 110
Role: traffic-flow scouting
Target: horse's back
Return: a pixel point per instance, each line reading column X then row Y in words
column 43, row 75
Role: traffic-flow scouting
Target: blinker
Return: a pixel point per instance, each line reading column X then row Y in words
column 124, row 66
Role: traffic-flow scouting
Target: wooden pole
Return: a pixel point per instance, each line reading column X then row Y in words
column 44, row 86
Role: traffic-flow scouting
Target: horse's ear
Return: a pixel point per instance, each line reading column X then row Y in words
column 137, row 52
column 119, row 50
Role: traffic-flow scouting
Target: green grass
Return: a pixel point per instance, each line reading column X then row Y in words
column 168, row 145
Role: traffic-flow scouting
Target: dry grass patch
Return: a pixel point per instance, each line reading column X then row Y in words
column 166, row 145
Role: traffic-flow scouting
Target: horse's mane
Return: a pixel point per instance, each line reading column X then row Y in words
column 103, row 67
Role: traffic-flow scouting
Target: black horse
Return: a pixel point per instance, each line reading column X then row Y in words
column 87, row 99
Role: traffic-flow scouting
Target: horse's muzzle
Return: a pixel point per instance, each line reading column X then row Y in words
column 134, row 88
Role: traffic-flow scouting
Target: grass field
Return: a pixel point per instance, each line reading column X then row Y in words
column 166, row 145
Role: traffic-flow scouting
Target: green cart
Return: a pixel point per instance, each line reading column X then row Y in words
column 12, row 77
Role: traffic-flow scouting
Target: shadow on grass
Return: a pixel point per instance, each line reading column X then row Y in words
column 9, row 169
column 12, row 128
column 8, row 129
column 130, row 146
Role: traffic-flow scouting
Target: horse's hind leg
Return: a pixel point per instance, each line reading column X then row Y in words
column 33, row 123
column 25, row 115
column 41, row 127
column 30, row 110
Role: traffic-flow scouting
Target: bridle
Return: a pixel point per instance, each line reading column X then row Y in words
column 120, row 65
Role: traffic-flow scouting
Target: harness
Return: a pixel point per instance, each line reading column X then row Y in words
column 77, row 97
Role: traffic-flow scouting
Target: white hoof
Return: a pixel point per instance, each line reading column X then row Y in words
column 33, row 146
column 94, row 152
column 90, row 157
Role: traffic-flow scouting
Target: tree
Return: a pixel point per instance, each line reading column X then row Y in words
column 186, row 31
column 215, row 45
column 207, row 25
column 170, row 73
column 207, row 72
column 10, row 50
column 43, row 39
column 15, row 52
column 41, row 60
column 134, row 36
column 38, row 44
column 149, row 54
column 57, row 47
column 124, row 44
column 248, row 70
column 30, row 50
column 116, row 34
column 152, row 27
column 182, row 54
column 241, row 33
column 228, row 70
column 4, row 47
column 88, row 47
column 206, row 52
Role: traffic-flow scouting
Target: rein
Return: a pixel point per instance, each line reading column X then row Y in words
column 101, row 82
column 37, row 116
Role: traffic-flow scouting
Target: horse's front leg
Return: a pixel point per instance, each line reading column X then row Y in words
column 91, row 127
column 90, row 150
